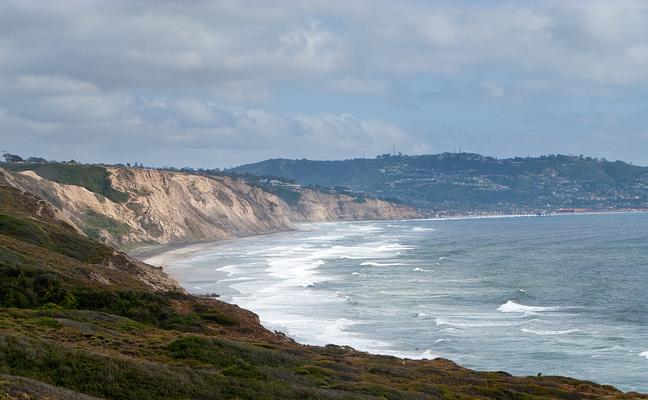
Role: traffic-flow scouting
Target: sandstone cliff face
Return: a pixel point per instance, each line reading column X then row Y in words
column 165, row 207
column 318, row 207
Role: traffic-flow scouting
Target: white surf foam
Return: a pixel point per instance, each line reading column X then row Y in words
column 428, row 355
column 549, row 332
column 513, row 307
column 379, row 264
column 297, row 271
column 422, row 229
column 325, row 331
column 644, row 354
column 472, row 323
column 231, row 269
column 417, row 269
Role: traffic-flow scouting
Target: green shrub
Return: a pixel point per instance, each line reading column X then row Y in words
column 94, row 178
column 49, row 323
column 219, row 318
column 32, row 287
column 96, row 222
column 54, row 237
column 111, row 378
column 23, row 229
column 225, row 353
column 241, row 369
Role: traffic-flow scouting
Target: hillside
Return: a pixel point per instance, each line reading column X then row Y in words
column 472, row 182
column 134, row 206
column 79, row 320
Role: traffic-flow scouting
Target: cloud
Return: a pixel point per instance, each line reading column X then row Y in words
column 358, row 86
column 125, row 45
column 220, row 81
column 222, row 137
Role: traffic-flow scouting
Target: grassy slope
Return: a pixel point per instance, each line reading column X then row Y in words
column 61, row 331
column 92, row 177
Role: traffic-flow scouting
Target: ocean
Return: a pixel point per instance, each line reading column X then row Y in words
column 560, row 295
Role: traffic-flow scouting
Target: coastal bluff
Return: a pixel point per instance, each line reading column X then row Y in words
column 128, row 207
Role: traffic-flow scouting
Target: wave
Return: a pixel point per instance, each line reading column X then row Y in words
column 417, row 269
column 365, row 228
column 231, row 269
column 560, row 332
column 339, row 332
column 644, row 354
column 378, row 264
column 513, row 307
column 372, row 250
column 354, row 273
column 422, row 229
column 428, row 355
column 299, row 272
column 456, row 324
column 239, row 279
column 323, row 238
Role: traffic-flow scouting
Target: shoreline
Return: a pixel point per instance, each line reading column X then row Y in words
column 181, row 253
column 148, row 252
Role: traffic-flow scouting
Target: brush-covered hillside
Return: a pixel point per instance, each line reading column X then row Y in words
column 471, row 182
column 134, row 206
column 79, row 320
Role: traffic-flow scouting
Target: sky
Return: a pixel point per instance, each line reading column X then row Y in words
column 222, row 83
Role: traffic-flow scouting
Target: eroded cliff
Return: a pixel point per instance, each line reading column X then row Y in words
column 160, row 207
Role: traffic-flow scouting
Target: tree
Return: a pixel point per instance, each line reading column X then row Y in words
column 12, row 158
column 36, row 160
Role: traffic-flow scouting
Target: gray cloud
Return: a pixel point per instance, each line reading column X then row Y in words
column 202, row 84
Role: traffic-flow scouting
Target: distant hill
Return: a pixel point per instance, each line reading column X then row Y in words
column 473, row 182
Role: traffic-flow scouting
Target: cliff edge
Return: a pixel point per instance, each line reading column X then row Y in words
column 133, row 206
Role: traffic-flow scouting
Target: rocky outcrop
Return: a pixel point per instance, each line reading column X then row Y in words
column 164, row 207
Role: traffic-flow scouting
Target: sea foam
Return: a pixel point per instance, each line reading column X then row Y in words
column 513, row 307
column 548, row 332
column 422, row 229
column 379, row 264
column 428, row 355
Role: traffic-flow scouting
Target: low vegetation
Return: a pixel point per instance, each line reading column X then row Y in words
column 66, row 335
column 94, row 223
column 92, row 177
